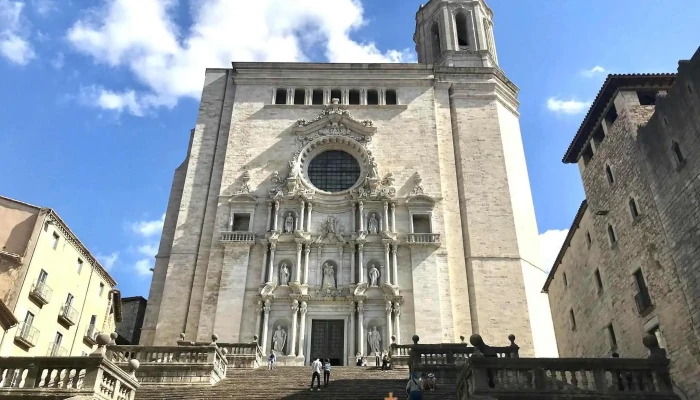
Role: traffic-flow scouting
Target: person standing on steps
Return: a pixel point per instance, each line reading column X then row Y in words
column 385, row 361
column 326, row 372
column 316, row 368
column 271, row 360
column 414, row 388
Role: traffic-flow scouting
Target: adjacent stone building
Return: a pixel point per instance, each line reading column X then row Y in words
column 327, row 208
column 133, row 312
column 630, row 264
column 56, row 295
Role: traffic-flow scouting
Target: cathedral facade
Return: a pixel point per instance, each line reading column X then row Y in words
column 332, row 209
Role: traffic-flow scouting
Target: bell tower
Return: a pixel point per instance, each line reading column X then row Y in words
column 455, row 33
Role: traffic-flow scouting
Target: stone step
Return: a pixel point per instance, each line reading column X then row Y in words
column 346, row 383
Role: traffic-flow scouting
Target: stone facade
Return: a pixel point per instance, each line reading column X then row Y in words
column 133, row 312
column 432, row 239
column 629, row 264
column 59, row 294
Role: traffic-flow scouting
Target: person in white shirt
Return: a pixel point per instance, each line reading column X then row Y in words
column 316, row 368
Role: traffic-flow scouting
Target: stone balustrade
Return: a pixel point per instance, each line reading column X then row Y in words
column 400, row 355
column 238, row 355
column 423, row 239
column 238, row 237
column 205, row 364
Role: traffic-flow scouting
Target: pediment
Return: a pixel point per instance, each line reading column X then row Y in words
column 335, row 119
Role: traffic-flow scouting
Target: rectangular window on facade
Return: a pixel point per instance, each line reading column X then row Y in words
column 573, row 319
column 421, row 223
column 317, row 97
column 69, row 300
column 241, row 222
column 56, row 238
column 598, row 136
column 337, row 94
column 391, row 97
column 587, row 154
column 598, row 281
column 609, row 174
column 611, row 115
column 101, row 290
column 281, row 96
column 589, row 241
column 611, row 235
column 634, row 212
column 611, row 335
column 372, row 97
column 354, row 97
column 642, row 298
column 43, row 275
column 647, row 98
column 299, row 97
column 566, row 281
column 29, row 319
column 79, row 266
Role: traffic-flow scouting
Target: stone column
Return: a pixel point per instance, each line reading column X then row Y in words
column 361, row 264
column 264, row 265
column 277, row 212
column 360, row 330
column 269, row 216
column 292, row 344
column 271, row 268
column 385, row 273
column 297, row 275
column 302, row 328
column 352, row 265
column 386, row 216
column 387, row 338
column 266, row 320
column 351, row 339
column 258, row 310
column 354, row 218
column 362, row 218
column 300, row 219
column 306, row 264
column 397, row 322
column 395, row 265
column 308, row 218
column 341, row 264
column 230, row 220
column 393, row 217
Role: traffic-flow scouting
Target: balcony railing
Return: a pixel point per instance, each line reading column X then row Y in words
column 238, row 237
column 41, row 292
column 91, row 335
column 643, row 301
column 423, row 238
column 68, row 314
column 55, row 350
column 27, row 334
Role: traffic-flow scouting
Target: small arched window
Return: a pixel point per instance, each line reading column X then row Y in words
column 677, row 154
column 609, row 174
column 462, row 33
column 435, row 40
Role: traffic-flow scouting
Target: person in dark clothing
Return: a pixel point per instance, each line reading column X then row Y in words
column 385, row 361
column 326, row 372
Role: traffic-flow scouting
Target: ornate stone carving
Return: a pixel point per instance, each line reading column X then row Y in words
column 245, row 187
column 284, row 274
column 388, row 307
column 303, row 308
column 373, row 224
column 279, row 339
column 397, row 309
column 373, row 276
column 331, row 231
column 329, row 276
column 329, row 292
column 267, row 306
column 388, row 180
column 418, row 187
column 374, row 341
column 295, row 306
column 277, row 189
column 289, row 223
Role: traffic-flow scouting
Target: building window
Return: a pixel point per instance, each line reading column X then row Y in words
column 647, row 98
column 598, row 136
column 334, row 171
column 611, row 336
column 317, row 97
column 299, row 97
column 589, row 241
column 611, row 115
column 101, row 290
column 677, row 154
column 29, row 319
column 55, row 350
column 337, row 94
column 573, row 319
column 281, row 96
column 609, row 174
column 392, row 98
column 43, row 275
column 241, row 222
column 372, row 97
column 421, row 223
column 354, row 97
column 435, row 40
column 462, row 33
column 79, row 266
column 56, row 238
column 611, row 235
column 634, row 212
column 598, row 281
column 566, row 281
column 587, row 154
column 642, row 298
column 69, row 300
column 656, row 331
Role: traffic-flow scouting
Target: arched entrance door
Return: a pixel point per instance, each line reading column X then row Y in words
column 327, row 340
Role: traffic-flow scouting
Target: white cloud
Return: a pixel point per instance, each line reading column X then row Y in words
column 149, row 250
column 597, row 70
column 14, row 38
column 550, row 244
column 108, row 260
column 58, row 61
column 44, row 7
column 143, row 266
column 571, row 107
column 170, row 61
column 148, row 228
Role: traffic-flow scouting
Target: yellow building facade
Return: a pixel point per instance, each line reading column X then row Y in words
column 56, row 296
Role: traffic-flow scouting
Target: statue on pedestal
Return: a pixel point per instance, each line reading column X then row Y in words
column 373, row 224
column 289, row 223
column 374, row 340
column 284, row 274
column 328, row 275
column 279, row 340
column 373, row 276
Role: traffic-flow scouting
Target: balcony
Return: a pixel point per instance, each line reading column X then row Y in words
column 55, row 350
column 68, row 315
column 424, row 239
column 643, row 301
column 243, row 238
column 41, row 292
column 27, row 335
column 90, row 337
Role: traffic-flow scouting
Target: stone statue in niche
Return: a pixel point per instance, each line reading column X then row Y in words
column 289, row 223
column 284, row 274
column 373, row 172
column 373, row 276
column 328, row 275
column 279, row 340
column 373, row 224
column 374, row 341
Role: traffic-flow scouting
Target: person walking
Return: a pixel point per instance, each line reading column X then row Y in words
column 385, row 361
column 271, row 360
column 414, row 388
column 316, row 368
column 326, row 372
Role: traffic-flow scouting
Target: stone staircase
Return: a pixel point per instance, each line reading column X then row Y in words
column 351, row 383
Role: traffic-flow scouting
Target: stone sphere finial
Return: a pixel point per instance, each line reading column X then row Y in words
column 650, row 341
column 224, row 351
column 134, row 364
column 113, row 338
column 182, row 337
column 461, row 337
column 214, row 338
column 511, row 337
column 415, row 339
column 393, row 338
column 477, row 341
column 102, row 339
column 255, row 338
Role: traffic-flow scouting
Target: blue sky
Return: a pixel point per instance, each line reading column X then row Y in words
column 99, row 97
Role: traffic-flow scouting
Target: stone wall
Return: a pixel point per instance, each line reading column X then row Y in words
column 133, row 311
